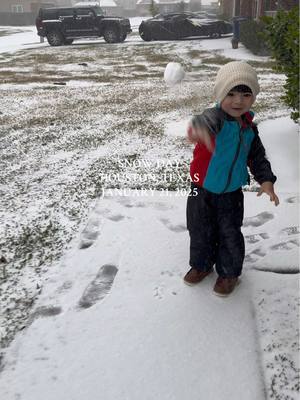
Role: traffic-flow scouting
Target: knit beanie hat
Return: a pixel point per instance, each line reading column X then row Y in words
column 233, row 74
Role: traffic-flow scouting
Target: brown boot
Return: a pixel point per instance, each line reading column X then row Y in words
column 224, row 286
column 195, row 276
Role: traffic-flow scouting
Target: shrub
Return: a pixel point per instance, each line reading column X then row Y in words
column 281, row 34
column 251, row 35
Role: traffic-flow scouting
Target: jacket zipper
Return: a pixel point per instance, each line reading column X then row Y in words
column 234, row 161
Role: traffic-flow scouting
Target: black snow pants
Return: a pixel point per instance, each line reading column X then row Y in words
column 214, row 223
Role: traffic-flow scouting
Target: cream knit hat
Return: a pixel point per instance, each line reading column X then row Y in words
column 233, row 74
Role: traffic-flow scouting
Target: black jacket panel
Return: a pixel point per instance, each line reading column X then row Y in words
column 258, row 163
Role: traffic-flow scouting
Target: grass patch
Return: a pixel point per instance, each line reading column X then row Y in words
column 39, row 59
column 140, row 67
column 198, row 54
column 269, row 64
column 55, row 56
column 157, row 58
column 31, row 243
column 218, row 59
column 7, row 32
column 50, row 88
column 27, row 78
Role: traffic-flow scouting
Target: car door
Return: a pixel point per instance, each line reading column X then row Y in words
column 195, row 25
column 67, row 21
column 180, row 26
column 85, row 22
column 165, row 28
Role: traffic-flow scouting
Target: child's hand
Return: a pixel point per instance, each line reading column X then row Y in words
column 197, row 134
column 191, row 134
column 268, row 188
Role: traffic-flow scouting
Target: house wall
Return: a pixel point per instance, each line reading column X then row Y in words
column 287, row 4
column 246, row 8
column 7, row 5
column 20, row 12
column 254, row 8
column 270, row 5
column 29, row 5
column 24, row 12
column 226, row 8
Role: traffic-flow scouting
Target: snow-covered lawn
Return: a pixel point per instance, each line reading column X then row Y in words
column 111, row 314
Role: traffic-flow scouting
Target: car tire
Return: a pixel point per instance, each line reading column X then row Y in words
column 55, row 38
column 145, row 34
column 111, row 35
column 123, row 37
column 215, row 35
column 68, row 41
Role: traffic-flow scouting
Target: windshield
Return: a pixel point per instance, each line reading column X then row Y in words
column 98, row 10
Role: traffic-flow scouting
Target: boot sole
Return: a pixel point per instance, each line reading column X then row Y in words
column 228, row 294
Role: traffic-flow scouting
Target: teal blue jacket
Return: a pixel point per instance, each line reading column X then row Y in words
column 235, row 147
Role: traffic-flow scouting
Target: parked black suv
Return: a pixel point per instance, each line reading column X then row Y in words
column 63, row 25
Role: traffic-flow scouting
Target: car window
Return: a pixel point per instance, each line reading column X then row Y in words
column 179, row 17
column 84, row 11
column 169, row 16
column 98, row 10
column 49, row 14
column 66, row 12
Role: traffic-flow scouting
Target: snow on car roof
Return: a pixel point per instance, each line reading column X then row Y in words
column 200, row 22
column 101, row 3
column 87, row 4
column 162, row 1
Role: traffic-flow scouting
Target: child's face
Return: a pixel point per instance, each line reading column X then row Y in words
column 237, row 103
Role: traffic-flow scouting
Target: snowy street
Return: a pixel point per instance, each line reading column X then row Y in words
column 93, row 183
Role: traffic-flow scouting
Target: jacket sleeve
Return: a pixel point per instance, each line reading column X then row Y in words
column 211, row 119
column 258, row 163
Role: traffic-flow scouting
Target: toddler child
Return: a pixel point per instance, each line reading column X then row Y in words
column 227, row 141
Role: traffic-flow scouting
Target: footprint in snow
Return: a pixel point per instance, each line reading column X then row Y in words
column 99, row 287
column 169, row 273
column 116, row 218
column 254, row 255
column 161, row 206
column 258, row 219
column 291, row 230
column 249, row 259
column 138, row 205
column 173, row 228
column 256, row 237
column 44, row 312
column 158, row 292
column 67, row 285
column 89, row 233
column 289, row 245
column 292, row 200
column 106, row 213
column 259, row 252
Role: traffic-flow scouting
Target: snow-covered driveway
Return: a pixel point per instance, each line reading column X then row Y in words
column 116, row 320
